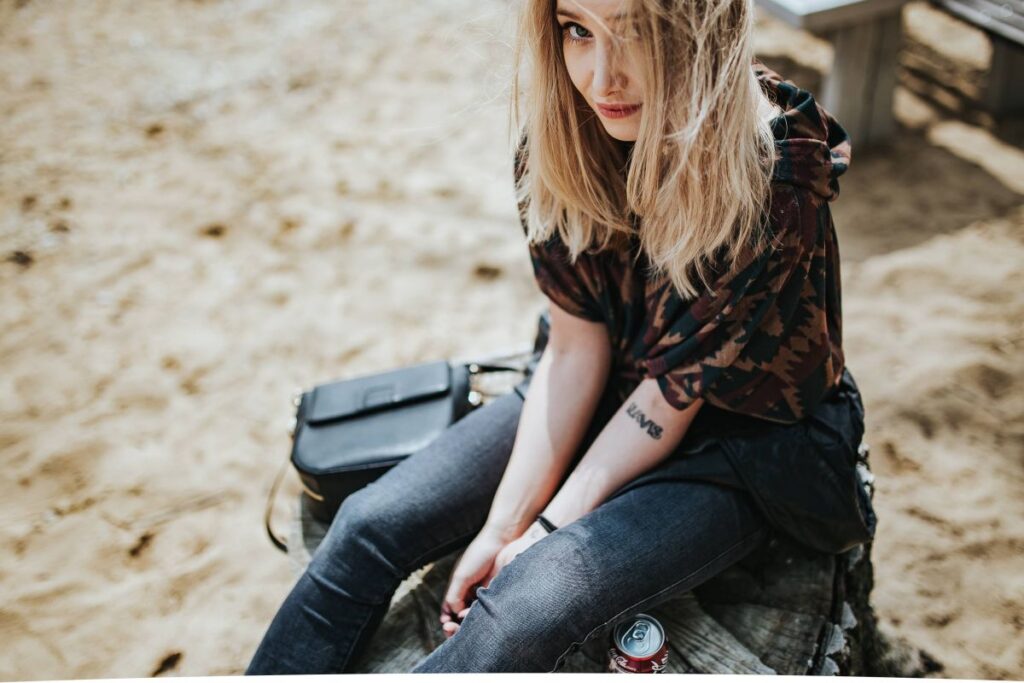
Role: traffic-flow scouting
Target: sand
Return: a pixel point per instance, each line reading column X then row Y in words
column 206, row 204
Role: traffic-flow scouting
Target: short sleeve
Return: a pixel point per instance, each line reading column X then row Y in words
column 765, row 341
column 573, row 287
column 570, row 286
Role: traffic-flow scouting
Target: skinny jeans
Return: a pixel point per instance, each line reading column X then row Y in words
column 648, row 541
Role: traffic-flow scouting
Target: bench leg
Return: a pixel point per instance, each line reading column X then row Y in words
column 1004, row 92
column 858, row 91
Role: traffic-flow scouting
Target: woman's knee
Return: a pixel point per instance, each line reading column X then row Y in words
column 358, row 545
column 358, row 515
column 542, row 600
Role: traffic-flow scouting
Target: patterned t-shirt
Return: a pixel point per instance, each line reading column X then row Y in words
column 764, row 342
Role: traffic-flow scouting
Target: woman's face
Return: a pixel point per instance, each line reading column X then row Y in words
column 602, row 62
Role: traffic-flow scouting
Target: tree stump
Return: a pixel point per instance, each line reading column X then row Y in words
column 785, row 609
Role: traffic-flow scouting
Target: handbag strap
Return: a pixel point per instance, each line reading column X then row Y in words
column 278, row 542
column 476, row 368
column 494, row 362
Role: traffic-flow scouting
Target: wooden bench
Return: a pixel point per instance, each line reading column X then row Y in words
column 865, row 36
column 783, row 610
column 1003, row 21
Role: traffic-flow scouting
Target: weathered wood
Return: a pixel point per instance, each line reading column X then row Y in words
column 859, row 88
column 822, row 16
column 1004, row 18
column 1003, row 21
column 785, row 640
column 703, row 643
column 1004, row 91
column 865, row 36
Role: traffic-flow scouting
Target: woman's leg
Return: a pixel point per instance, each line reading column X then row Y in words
column 633, row 551
column 427, row 506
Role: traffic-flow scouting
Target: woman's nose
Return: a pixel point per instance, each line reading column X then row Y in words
column 606, row 76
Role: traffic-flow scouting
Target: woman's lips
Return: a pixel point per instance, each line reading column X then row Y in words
column 617, row 111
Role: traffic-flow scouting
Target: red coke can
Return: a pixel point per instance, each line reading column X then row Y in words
column 639, row 646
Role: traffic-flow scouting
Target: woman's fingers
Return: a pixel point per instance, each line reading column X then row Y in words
column 453, row 600
column 451, row 625
column 453, row 607
column 474, row 564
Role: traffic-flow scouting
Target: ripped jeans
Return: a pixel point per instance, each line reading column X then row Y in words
column 641, row 546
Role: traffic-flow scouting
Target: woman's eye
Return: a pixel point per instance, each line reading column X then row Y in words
column 572, row 31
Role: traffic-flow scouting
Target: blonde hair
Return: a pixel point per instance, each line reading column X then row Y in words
column 699, row 173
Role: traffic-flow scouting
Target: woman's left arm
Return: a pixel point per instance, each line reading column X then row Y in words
column 641, row 433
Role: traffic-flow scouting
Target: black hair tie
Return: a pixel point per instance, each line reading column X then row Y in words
column 548, row 526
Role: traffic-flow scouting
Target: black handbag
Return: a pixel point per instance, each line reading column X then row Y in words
column 349, row 432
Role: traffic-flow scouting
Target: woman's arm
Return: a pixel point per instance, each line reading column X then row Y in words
column 563, row 397
column 644, row 431
column 564, row 393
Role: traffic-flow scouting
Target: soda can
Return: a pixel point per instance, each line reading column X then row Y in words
column 639, row 646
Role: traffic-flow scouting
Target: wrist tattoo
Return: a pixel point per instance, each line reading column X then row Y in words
column 652, row 427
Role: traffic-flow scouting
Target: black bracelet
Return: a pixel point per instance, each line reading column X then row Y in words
column 548, row 526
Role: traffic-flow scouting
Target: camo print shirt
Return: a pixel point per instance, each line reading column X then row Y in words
column 764, row 342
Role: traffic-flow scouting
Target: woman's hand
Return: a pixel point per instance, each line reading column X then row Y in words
column 471, row 569
column 479, row 564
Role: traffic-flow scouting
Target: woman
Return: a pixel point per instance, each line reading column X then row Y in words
column 691, row 399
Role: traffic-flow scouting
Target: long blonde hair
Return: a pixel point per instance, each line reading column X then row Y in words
column 700, row 170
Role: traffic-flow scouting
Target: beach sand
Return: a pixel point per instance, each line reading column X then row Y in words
column 206, row 204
